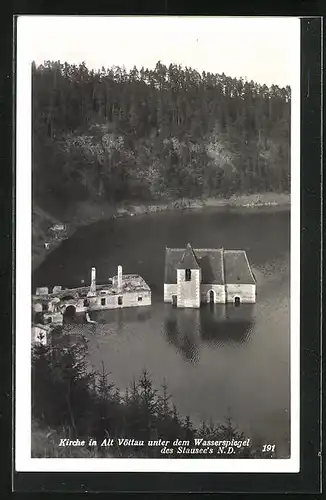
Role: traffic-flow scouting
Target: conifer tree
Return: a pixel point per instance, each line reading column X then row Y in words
column 75, row 111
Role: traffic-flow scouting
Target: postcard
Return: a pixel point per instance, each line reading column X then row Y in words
column 157, row 244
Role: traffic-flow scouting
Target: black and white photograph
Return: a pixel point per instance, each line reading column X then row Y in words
column 158, row 244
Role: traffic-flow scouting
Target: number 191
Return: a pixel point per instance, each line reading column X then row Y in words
column 268, row 447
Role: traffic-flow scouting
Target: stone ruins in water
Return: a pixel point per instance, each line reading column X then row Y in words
column 192, row 277
column 123, row 290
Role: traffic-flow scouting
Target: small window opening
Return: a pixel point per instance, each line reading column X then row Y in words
column 103, row 301
column 86, row 303
column 140, row 299
column 188, row 274
column 120, row 301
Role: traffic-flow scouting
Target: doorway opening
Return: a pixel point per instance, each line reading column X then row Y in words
column 212, row 297
column 69, row 316
column 174, row 300
column 237, row 301
column 70, row 310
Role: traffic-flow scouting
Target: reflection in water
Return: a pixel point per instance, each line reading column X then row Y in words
column 122, row 316
column 182, row 329
column 222, row 324
column 216, row 324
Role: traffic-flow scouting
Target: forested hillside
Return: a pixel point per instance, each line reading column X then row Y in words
column 158, row 134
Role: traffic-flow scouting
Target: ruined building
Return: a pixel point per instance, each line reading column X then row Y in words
column 198, row 276
column 123, row 290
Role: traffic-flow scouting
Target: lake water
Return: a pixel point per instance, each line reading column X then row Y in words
column 214, row 360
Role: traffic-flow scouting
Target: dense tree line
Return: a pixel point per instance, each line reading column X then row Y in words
column 67, row 394
column 164, row 133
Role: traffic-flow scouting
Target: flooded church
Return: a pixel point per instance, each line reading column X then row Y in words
column 199, row 276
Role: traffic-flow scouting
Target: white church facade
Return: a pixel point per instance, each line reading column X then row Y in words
column 199, row 276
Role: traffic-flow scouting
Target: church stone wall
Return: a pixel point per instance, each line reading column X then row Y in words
column 188, row 292
column 219, row 293
column 169, row 290
column 246, row 293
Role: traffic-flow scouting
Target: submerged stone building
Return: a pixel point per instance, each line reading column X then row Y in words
column 123, row 290
column 202, row 275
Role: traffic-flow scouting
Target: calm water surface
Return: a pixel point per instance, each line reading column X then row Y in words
column 214, row 359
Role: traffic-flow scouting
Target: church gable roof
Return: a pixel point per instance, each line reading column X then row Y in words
column 208, row 260
column 237, row 268
column 172, row 259
column 218, row 266
column 188, row 259
column 211, row 264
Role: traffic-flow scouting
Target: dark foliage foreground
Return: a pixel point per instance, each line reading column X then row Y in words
column 74, row 402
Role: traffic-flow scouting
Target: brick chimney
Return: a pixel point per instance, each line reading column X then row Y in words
column 119, row 278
